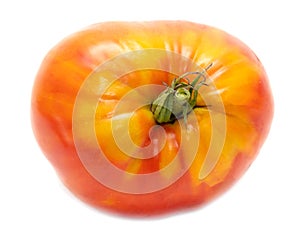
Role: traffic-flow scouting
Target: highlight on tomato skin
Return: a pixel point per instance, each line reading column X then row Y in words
column 148, row 118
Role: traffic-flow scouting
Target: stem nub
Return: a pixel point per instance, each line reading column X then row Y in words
column 179, row 99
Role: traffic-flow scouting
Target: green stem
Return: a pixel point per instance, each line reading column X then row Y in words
column 179, row 99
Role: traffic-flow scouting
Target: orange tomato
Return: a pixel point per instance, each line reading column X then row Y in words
column 146, row 118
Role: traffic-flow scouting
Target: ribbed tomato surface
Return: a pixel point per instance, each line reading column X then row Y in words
column 92, row 117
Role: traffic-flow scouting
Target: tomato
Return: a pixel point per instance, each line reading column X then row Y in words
column 146, row 118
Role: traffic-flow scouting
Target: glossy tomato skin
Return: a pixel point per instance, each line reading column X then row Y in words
column 236, row 73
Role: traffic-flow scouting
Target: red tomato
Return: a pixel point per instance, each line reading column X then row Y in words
column 146, row 118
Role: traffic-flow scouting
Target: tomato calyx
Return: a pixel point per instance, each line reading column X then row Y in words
column 178, row 99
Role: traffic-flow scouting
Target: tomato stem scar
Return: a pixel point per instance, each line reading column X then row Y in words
column 178, row 99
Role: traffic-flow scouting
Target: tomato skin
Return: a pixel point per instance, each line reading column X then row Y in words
column 236, row 72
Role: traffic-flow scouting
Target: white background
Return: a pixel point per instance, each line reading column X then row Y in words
column 34, row 206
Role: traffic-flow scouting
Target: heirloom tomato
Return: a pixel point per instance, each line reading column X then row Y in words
column 146, row 118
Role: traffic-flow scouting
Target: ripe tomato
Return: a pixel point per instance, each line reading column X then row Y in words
column 150, row 117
